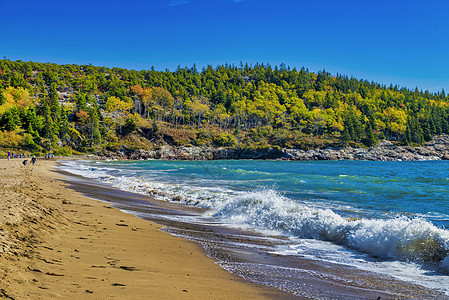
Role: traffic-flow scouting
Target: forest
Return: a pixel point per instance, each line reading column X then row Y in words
column 72, row 109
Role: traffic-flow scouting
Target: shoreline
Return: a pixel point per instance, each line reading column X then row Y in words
column 237, row 250
column 437, row 149
column 59, row 243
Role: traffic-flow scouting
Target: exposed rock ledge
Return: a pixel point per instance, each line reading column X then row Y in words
column 438, row 149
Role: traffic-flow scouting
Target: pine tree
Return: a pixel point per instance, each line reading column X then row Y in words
column 11, row 119
column 63, row 123
column 81, row 102
column 53, row 100
column 370, row 138
column 427, row 134
column 49, row 128
column 345, row 136
column 406, row 137
column 94, row 124
column 415, row 131
column 33, row 120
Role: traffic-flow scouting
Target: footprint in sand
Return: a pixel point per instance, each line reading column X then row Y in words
column 118, row 284
column 128, row 268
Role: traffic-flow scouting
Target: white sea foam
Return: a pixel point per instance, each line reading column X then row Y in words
column 329, row 252
column 203, row 194
column 399, row 239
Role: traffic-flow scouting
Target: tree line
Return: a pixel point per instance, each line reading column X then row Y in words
column 87, row 108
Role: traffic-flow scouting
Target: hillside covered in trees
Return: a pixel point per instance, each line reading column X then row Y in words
column 83, row 108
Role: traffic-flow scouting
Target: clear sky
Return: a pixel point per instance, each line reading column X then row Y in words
column 395, row 41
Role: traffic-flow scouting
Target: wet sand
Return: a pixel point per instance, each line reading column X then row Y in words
column 252, row 255
column 56, row 243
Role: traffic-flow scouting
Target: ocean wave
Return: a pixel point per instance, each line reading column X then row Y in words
column 202, row 194
column 409, row 239
column 401, row 238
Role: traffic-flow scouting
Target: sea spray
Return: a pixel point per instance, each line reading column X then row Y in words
column 401, row 238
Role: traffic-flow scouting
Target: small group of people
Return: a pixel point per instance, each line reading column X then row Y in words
column 25, row 162
column 22, row 155
column 17, row 155
column 33, row 161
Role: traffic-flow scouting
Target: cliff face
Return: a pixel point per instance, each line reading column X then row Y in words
column 438, row 149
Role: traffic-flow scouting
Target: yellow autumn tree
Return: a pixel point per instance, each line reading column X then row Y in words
column 199, row 106
column 15, row 97
column 117, row 109
column 396, row 120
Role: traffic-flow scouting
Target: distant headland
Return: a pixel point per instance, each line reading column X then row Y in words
column 227, row 111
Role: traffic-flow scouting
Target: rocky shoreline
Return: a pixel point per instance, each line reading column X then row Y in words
column 437, row 149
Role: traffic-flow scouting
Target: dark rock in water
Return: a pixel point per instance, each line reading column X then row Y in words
column 437, row 149
column 177, row 198
column 152, row 192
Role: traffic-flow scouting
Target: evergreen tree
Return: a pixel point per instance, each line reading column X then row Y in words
column 32, row 120
column 95, row 137
column 17, row 80
column 415, row 131
column 49, row 128
column 427, row 134
column 81, row 102
column 64, row 126
column 406, row 137
column 346, row 136
column 370, row 138
column 53, row 100
column 11, row 119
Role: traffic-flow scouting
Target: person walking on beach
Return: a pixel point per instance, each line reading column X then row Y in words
column 9, row 155
column 33, row 161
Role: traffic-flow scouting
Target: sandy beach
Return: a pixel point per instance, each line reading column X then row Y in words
column 56, row 243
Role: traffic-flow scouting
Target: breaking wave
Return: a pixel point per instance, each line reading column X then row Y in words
column 408, row 239
column 401, row 238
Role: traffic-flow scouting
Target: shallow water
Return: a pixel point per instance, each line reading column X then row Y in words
column 383, row 217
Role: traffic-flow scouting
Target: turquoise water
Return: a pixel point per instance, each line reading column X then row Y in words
column 390, row 217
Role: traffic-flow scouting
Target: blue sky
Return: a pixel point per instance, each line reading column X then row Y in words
column 399, row 42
